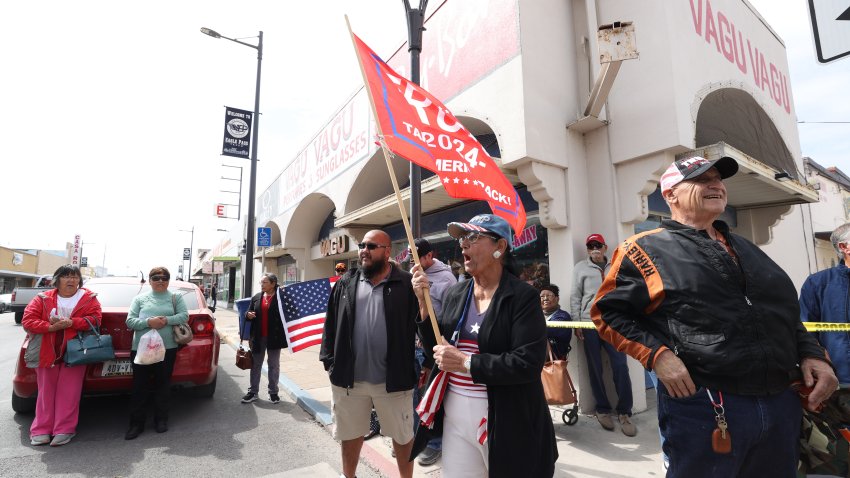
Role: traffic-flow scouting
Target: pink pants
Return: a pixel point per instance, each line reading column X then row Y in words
column 57, row 407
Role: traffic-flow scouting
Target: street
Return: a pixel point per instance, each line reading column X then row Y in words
column 206, row 437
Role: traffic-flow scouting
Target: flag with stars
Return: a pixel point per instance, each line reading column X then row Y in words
column 303, row 307
column 419, row 128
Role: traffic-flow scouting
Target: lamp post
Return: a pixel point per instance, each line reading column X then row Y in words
column 188, row 275
column 248, row 280
column 415, row 27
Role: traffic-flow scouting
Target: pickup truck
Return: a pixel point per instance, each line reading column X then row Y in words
column 22, row 296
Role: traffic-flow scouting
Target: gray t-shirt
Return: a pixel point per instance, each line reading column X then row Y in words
column 369, row 340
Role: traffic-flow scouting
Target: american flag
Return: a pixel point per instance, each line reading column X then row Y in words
column 303, row 307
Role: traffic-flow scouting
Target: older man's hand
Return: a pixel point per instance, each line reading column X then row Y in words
column 820, row 374
column 674, row 375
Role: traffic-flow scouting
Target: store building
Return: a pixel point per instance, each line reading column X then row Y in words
column 831, row 210
column 585, row 142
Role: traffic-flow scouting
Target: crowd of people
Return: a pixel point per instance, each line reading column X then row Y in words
column 712, row 316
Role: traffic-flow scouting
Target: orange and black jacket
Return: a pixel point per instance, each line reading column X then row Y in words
column 734, row 322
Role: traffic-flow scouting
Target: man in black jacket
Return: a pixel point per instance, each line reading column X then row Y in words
column 718, row 321
column 367, row 349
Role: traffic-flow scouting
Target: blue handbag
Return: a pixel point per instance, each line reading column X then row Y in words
column 91, row 347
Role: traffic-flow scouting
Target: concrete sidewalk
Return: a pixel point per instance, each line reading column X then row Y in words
column 585, row 449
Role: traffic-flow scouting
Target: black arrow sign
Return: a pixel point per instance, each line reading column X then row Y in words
column 845, row 15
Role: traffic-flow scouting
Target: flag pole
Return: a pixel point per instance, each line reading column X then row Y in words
column 391, row 171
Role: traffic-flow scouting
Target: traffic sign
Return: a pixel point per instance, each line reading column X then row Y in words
column 187, row 253
column 831, row 28
column 264, row 236
column 84, row 262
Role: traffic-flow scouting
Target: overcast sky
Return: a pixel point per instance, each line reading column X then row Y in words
column 113, row 111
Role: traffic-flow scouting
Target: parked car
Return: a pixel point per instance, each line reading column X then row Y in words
column 22, row 296
column 5, row 302
column 196, row 366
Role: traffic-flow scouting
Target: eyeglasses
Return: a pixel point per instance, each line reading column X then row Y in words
column 159, row 279
column 369, row 245
column 473, row 237
column 595, row 245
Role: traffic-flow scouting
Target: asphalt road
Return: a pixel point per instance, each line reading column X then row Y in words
column 208, row 437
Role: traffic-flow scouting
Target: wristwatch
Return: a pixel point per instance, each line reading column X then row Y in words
column 467, row 363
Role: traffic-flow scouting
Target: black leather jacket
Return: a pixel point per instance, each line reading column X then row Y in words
column 735, row 326
column 401, row 310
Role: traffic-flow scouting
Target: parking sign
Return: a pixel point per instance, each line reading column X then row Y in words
column 264, row 236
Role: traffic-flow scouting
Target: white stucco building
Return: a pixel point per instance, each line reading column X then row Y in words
column 710, row 75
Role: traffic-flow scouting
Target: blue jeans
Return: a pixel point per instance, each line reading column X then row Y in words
column 764, row 430
column 593, row 347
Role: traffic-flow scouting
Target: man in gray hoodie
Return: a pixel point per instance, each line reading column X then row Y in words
column 587, row 277
column 441, row 278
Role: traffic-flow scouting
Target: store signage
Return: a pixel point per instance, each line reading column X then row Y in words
column 333, row 245
column 220, row 210
column 206, row 267
column 526, row 237
column 76, row 249
column 237, row 128
column 830, row 28
column 718, row 29
column 218, row 267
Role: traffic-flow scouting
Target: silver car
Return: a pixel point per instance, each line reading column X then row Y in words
column 5, row 300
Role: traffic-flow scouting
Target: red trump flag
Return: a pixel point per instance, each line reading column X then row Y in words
column 419, row 128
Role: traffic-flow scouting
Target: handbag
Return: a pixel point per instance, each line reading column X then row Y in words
column 91, row 347
column 557, row 386
column 182, row 332
column 244, row 358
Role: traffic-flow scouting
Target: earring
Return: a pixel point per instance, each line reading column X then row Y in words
column 497, row 254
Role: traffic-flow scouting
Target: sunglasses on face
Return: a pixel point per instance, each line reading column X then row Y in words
column 595, row 245
column 159, row 279
column 369, row 245
column 473, row 237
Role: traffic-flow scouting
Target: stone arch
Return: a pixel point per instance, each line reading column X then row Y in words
column 733, row 116
column 306, row 220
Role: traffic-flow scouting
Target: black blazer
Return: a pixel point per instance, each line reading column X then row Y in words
column 277, row 336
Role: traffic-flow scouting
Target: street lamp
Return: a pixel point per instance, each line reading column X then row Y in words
column 248, row 280
column 188, row 275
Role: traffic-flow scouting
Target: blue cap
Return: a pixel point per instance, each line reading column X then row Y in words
column 483, row 223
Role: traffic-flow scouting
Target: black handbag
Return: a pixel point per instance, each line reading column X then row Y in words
column 91, row 347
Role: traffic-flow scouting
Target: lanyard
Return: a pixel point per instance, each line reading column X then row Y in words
column 463, row 315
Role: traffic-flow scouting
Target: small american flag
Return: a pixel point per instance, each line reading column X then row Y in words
column 303, row 307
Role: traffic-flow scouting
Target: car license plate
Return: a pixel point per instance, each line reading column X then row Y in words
column 116, row 367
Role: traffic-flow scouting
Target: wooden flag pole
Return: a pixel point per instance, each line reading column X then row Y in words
column 391, row 171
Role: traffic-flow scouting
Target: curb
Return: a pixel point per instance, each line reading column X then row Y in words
column 315, row 408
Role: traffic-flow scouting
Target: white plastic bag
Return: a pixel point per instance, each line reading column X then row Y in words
column 151, row 349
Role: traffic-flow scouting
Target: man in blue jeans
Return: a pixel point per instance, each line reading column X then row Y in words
column 587, row 277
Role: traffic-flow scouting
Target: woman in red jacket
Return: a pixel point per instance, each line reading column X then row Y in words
column 51, row 319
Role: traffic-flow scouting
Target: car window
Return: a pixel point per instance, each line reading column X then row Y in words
column 120, row 295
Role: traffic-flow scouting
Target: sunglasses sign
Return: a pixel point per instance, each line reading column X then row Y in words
column 237, row 130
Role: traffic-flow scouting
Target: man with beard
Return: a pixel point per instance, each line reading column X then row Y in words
column 587, row 277
column 367, row 349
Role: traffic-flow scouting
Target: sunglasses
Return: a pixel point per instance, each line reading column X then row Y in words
column 473, row 237
column 159, row 279
column 595, row 245
column 369, row 245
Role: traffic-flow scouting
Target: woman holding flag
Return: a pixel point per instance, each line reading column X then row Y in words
column 485, row 392
column 267, row 337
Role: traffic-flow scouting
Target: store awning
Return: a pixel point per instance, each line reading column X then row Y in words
column 276, row 250
column 758, row 185
column 823, row 235
column 227, row 259
column 385, row 210
column 19, row 274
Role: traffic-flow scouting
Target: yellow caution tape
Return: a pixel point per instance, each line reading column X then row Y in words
column 810, row 326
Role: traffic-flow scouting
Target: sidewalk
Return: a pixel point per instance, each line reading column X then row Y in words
column 585, row 449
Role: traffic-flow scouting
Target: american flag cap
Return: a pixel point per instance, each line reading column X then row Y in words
column 693, row 166
column 482, row 223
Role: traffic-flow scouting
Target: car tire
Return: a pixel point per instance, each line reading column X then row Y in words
column 206, row 391
column 2, row 308
column 24, row 406
column 19, row 317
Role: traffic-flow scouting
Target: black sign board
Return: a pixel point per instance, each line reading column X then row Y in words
column 84, row 262
column 237, row 131
column 187, row 253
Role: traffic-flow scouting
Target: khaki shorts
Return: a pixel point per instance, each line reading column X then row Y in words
column 352, row 408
